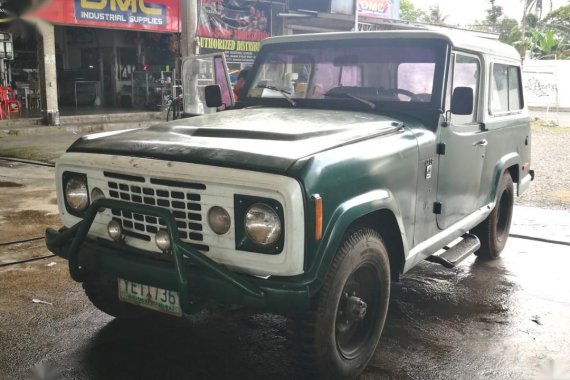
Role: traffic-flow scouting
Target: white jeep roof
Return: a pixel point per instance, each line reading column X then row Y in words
column 462, row 40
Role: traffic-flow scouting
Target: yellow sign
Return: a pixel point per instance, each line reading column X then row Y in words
column 228, row 45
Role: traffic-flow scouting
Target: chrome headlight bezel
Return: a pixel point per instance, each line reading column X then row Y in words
column 244, row 240
column 81, row 188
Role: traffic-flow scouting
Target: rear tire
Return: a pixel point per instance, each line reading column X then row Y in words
column 337, row 339
column 102, row 291
column 493, row 232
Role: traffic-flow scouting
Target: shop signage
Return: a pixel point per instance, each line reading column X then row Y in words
column 121, row 11
column 152, row 15
column 378, row 8
column 235, row 27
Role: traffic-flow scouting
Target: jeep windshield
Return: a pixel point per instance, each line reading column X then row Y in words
column 359, row 72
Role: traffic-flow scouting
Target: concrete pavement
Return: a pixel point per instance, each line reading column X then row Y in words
column 501, row 319
column 81, row 124
column 552, row 117
column 541, row 223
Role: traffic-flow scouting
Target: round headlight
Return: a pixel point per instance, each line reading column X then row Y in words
column 219, row 220
column 96, row 194
column 76, row 194
column 262, row 224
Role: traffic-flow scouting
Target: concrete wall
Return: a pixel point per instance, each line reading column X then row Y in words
column 546, row 84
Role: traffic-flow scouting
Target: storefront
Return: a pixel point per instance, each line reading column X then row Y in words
column 115, row 54
column 114, row 68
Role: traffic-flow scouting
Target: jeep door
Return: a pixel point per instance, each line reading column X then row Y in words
column 507, row 123
column 461, row 145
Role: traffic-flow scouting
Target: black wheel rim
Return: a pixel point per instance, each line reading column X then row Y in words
column 352, row 334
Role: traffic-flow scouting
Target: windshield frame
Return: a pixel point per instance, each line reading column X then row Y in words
column 440, row 46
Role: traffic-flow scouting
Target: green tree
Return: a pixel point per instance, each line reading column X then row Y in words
column 509, row 31
column 555, row 43
column 494, row 13
column 409, row 12
column 545, row 44
column 528, row 7
column 434, row 16
column 559, row 17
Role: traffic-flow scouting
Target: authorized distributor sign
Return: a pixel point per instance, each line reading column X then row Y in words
column 154, row 15
column 234, row 27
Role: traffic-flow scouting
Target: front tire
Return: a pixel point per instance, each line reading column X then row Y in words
column 493, row 232
column 102, row 291
column 338, row 338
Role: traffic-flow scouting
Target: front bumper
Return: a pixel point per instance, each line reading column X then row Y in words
column 196, row 277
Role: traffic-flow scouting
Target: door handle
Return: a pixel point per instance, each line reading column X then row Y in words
column 481, row 143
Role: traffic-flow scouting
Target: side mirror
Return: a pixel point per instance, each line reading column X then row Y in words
column 462, row 101
column 213, row 95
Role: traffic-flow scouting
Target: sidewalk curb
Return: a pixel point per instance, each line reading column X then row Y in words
column 81, row 124
column 541, row 224
column 77, row 129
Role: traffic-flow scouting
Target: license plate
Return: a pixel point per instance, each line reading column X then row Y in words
column 163, row 300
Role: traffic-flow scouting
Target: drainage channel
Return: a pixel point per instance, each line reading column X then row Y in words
column 28, row 162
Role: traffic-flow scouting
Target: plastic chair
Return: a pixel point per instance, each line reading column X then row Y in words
column 4, row 103
column 14, row 104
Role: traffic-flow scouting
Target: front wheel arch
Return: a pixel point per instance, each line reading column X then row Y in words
column 385, row 224
column 376, row 210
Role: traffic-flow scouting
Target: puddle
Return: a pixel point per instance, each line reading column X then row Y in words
column 10, row 184
column 26, row 224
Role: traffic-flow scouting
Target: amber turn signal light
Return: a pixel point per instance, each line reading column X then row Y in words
column 318, row 216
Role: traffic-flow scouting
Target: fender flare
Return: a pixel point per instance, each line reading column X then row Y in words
column 343, row 216
column 503, row 164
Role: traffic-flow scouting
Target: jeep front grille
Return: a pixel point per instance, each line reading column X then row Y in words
column 183, row 199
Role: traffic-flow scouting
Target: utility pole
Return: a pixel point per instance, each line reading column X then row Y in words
column 188, row 25
column 356, row 15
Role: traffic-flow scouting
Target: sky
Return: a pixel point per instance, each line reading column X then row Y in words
column 466, row 12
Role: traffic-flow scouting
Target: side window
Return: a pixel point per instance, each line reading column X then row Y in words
column 506, row 95
column 466, row 73
column 515, row 89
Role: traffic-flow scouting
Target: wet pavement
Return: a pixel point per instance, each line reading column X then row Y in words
column 504, row 319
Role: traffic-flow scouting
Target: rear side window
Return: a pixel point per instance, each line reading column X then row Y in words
column 506, row 91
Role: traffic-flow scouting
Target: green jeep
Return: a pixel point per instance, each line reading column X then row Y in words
column 348, row 159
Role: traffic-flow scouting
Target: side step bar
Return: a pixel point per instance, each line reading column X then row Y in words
column 459, row 252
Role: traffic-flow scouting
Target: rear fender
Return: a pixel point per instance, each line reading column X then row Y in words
column 507, row 161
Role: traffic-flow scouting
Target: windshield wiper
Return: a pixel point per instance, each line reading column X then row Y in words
column 286, row 94
column 357, row 98
column 361, row 100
